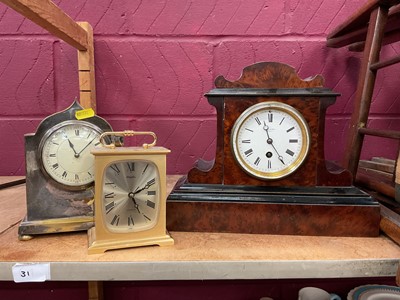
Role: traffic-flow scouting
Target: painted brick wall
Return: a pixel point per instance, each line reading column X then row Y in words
column 156, row 59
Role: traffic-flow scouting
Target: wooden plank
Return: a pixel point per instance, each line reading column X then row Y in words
column 387, row 168
column 386, row 63
column 95, row 289
column 390, row 134
column 397, row 180
column 398, row 276
column 390, row 37
column 12, row 183
column 12, row 203
column 7, row 181
column 87, row 86
column 376, row 183
column 390, row 224
column 354, row 29
column 372, row 172
column 84, row 81
column 357, row 20
column 397, row 173
column 49, row 16
column 347, row 39
column 384, row 160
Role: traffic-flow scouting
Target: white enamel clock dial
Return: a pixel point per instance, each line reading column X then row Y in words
column 270, row 140
column 65, row 153
column 131, row 191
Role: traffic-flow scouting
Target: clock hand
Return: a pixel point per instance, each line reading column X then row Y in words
column 271, row 142
column 148, row 184
column 86, row 146
column 280, row 157
column 132, row 196
column 266, row 130
column 136, row 205
column 73, row 148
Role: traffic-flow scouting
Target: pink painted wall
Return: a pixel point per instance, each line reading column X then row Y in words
column 156, row 59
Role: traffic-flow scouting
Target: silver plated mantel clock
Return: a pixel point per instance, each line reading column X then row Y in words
column 60, row 173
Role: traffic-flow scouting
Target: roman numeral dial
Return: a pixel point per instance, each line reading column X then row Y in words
column 65, row 153
column 130, row 195
column 270, row 140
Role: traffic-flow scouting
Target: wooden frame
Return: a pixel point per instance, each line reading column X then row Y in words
column 373, row 25
column 77, row 34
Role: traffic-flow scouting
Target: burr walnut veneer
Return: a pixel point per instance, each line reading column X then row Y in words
column 316, row 199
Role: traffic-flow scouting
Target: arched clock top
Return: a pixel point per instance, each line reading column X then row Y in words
column 270, row 75
column 268, row 82
column 60, row 172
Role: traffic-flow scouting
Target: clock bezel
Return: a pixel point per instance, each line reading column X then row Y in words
column 45, row 137
column 305, row 132
column 134, row 228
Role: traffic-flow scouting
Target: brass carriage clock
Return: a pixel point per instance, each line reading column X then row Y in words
column 130, row 195
column 60, row 173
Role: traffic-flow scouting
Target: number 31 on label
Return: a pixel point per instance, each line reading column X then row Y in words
column 31, row 272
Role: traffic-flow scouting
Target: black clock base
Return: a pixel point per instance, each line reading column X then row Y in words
column 27, row 229
column 319, row 211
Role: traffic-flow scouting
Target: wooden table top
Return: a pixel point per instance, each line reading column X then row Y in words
column 195, row 255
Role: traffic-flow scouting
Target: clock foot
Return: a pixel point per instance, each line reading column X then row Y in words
column 28, row 228
column 101, row 246
column 25, row 237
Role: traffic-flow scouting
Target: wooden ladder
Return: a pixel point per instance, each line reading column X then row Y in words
column 375, row 24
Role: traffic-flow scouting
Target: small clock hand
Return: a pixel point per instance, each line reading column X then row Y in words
column 271, row 142
column 136, row 205
column 73, row 148
column 266, row 130
column 132, row 196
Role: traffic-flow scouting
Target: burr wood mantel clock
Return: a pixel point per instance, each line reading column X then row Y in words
column 270, row 174
column 130, row 195
column 60, row 172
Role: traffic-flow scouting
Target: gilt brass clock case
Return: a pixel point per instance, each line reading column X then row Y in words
column 130, row 196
